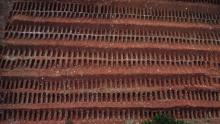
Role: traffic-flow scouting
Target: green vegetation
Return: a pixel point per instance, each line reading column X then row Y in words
column 158, row 119
column 69, row 122
column 164, row 119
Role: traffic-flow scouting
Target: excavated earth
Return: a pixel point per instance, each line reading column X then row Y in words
column 109, row 61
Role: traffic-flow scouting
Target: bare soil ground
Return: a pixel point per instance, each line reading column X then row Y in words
column 109, row 61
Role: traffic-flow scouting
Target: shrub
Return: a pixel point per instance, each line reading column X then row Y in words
column 68, row 122
column 164, row 119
